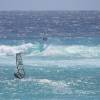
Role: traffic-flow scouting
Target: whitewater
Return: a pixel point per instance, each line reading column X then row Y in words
column 39, row 49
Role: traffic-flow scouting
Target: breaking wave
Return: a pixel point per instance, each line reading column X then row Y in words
column 38, row 49
column 24, row 48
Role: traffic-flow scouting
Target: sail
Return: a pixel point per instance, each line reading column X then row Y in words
column 19, row 62
column 20, row 67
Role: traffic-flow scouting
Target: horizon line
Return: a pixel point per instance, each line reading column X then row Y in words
column 48, row 10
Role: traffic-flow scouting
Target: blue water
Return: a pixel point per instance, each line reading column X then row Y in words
column 65, row 67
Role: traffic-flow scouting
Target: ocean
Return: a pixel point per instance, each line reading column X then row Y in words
column 60, row 52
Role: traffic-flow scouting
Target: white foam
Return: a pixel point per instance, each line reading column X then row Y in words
column 12, row 50
column 72, row 51
column 57, row 86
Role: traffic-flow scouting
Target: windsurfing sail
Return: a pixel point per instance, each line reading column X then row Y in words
column 20, row 73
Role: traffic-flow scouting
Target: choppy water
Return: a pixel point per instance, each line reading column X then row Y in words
column 66, row 66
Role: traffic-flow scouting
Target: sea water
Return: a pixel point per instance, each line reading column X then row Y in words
column 65, row 66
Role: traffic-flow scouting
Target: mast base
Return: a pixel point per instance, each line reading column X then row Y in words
column 19, row 75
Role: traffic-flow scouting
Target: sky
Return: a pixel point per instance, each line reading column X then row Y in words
column 49, row 5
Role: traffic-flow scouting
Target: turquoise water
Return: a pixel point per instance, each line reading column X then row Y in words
column 53, row 72
column 51, row 83
column 66, row 66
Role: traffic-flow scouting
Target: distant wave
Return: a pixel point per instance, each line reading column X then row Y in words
column 24, row 48
column 73, row 51
column 37, row 49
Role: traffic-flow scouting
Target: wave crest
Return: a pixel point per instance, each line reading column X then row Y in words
column 38, row 49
